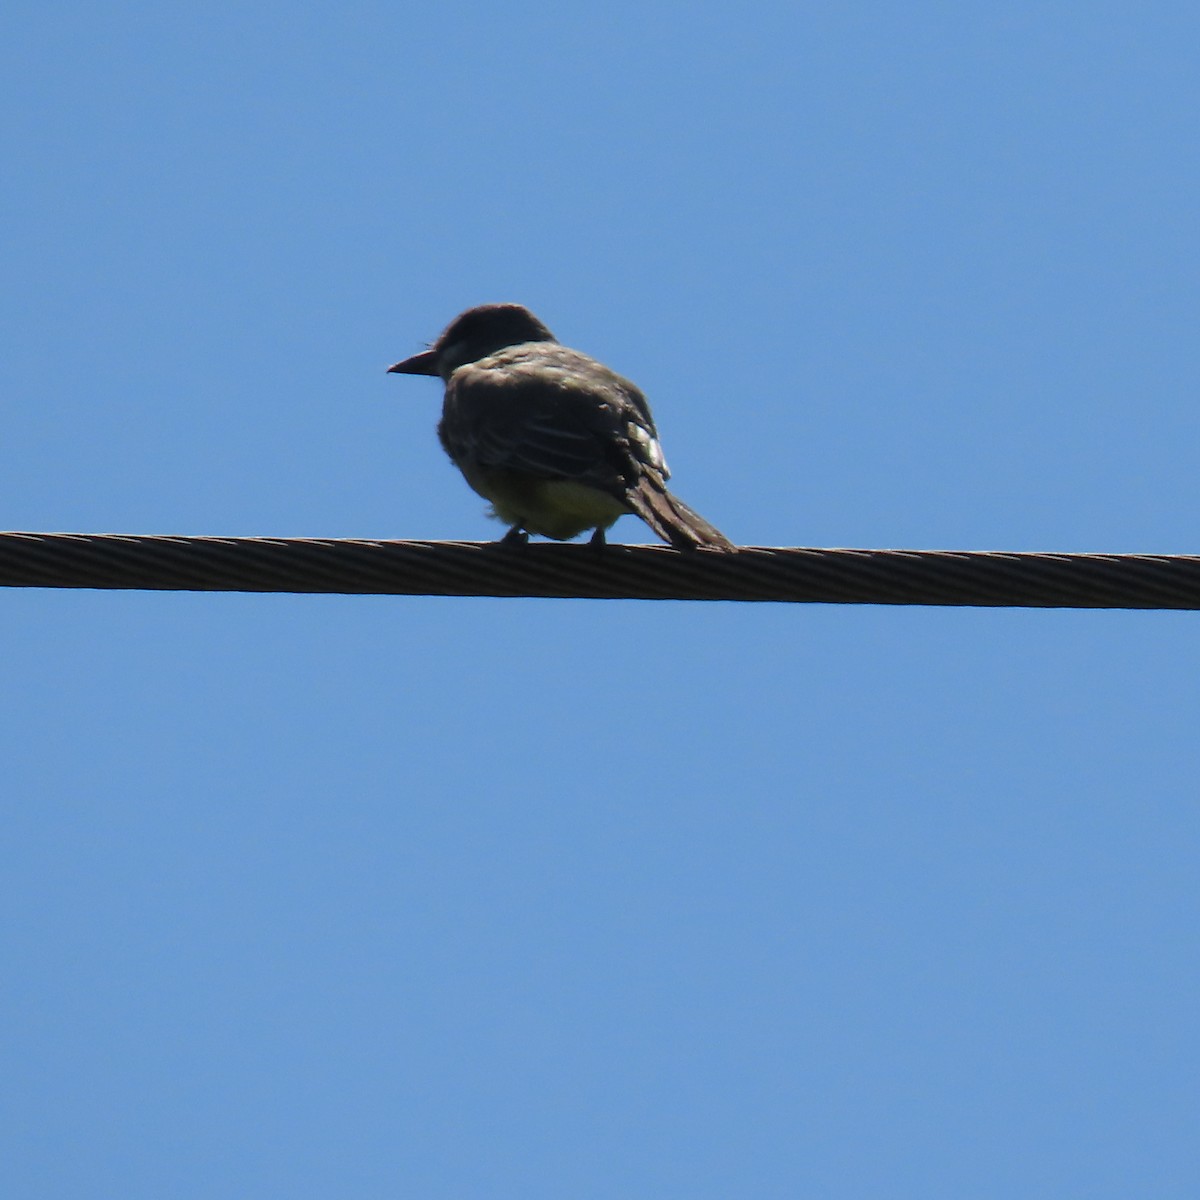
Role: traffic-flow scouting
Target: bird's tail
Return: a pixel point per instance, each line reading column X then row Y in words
column 672, row 520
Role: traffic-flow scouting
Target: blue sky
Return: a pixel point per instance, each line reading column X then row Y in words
column 369, row 896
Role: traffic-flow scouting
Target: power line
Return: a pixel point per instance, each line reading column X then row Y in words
column 758, row 573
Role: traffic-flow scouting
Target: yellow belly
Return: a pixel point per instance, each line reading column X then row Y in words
column 553, row 508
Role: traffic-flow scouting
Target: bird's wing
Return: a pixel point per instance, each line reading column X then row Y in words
column 553, row 413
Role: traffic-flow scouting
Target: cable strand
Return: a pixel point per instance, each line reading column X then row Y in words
column 755, row 574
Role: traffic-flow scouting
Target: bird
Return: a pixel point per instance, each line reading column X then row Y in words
column 554, row 439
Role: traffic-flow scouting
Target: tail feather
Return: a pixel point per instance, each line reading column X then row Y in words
column 672, row 520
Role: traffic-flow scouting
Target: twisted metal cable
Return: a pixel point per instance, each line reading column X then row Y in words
column 759, row 573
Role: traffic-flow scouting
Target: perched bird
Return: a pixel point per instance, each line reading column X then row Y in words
column 555, row 440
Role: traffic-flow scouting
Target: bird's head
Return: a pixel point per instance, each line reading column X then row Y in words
column 473, row 335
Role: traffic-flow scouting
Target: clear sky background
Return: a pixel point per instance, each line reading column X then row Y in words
column 389, row 897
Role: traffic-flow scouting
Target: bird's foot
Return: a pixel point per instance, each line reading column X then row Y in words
column 597, row 541
column 516, row 536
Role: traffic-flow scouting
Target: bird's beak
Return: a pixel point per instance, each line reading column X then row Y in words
column 424, row 363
